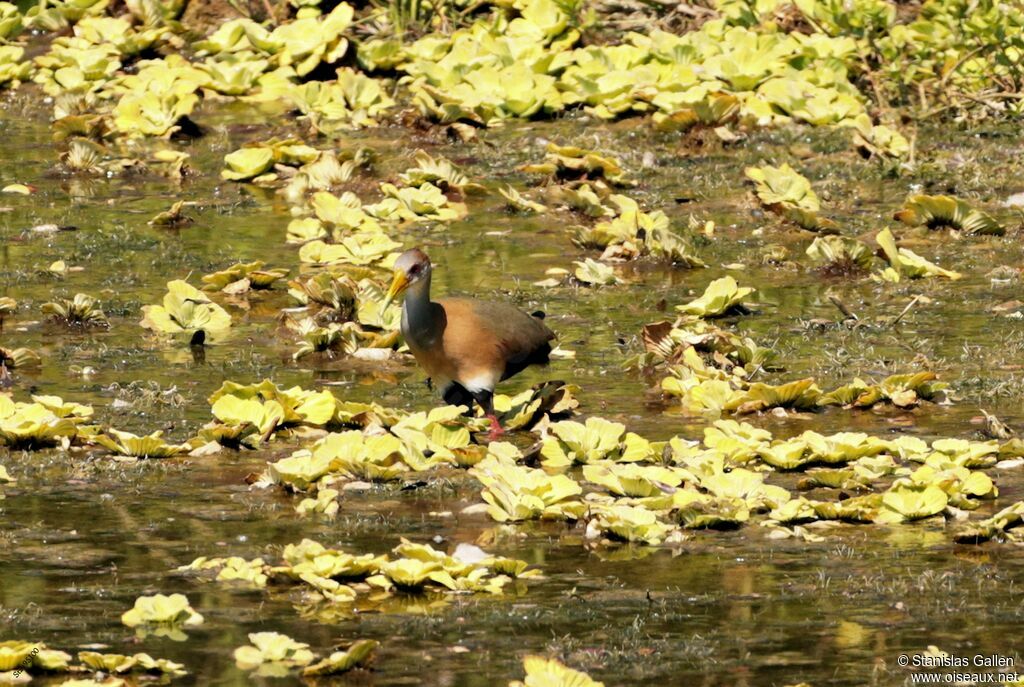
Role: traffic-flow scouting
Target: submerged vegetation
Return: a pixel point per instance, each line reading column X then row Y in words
column 211, row 195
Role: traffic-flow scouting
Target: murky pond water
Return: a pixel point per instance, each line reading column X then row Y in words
column 81, row 538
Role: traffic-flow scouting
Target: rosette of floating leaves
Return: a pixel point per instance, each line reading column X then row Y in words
column 938, row 212
column 185, row 311
column 345, row 455
column 788, row 194
column 440, row 172
column 1002, row 525
column 625, row 523
column 515, row 492
column 162, row 615
column 517, row 202
column 811, row 448
column 490, row 71
column 574, row 443
column 272, row 654
column 721, row 298
column 840, row 255
column 901, row 390
column 137, row 664
column 13, row 358
column 47, row 421
column 632, row 233
column 14, row 69
column 965, row 488
column 231, row 569
column 255, row 162
column 352, row 100
column 31, row 657
column 247, row 415
column 526, row 408
column 329, row 170
column 468, row 570
column 11, row 21
column 904, row 263
column 333, row 293
column 878, row 140
column 301, row 44
column 567, row 163
column 243, row 276
column 441, row 436
column 157, row 99
column 132, row 446
column 360, row 654
column 359, row 249
column 75, row 65
column 80, row 311
column 233, row 74
column 541, row 670
column 414, row 204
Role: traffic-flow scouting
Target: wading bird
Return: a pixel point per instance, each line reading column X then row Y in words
column 466, row 345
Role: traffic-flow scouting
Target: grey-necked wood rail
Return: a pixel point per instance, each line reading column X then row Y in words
column 465, row 345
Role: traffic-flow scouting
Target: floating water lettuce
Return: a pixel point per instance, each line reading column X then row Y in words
column 574, row 442
column 904, row 502
column 273, row 648
column 840, row 254
column 627, row 523
column 185, row 309
column 936, row 212
column 252, row 272
column 785, row 191
column 594, row 273
column 13, row 358
column 360, row 654
column 133, row 446
column 520, row 203
column 877, row 140
column 81, row 311
column 358, row 249
column 905, row 263
column 36, row 424
column 902, row 390
column 570, row 162
column 721, row 297
column 163, row 614
column 437, row 171
column 514, row 492
column 548, row 672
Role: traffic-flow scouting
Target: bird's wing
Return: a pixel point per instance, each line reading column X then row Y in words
column 492, row 339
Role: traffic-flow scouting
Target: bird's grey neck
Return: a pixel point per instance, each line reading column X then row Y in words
column 417, row 324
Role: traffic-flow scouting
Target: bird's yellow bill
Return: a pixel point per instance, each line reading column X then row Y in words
column 399, row 283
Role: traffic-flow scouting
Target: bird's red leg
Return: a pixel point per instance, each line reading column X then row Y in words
column 496, row 428
column 486, row 400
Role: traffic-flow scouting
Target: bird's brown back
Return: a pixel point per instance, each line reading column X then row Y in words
column 490, row 338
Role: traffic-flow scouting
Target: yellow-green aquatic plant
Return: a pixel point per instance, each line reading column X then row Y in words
column 80, row 311
column 34, row 424
column 548, row 672
column 360, row 654
column 273, row 648
column 721, row 297
column 14, row 358
column 514, row 492
column 627, row 523
column 133, row 446
column 574, row 442
column 936, row 212
column 252, row 272
column 161, row 610
column 906, row 263
column 840, row 254
column 185, row 309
